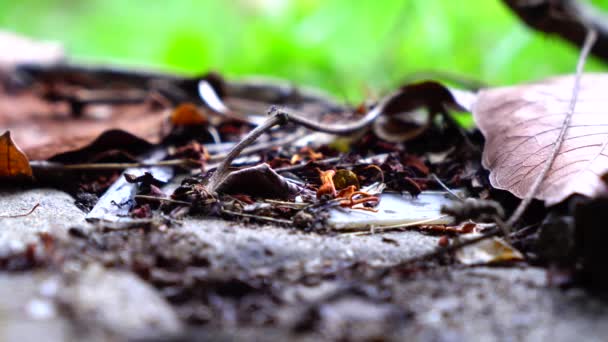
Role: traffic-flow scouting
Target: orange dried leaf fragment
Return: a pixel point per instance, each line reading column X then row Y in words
column 187, row 114
column 327, row 183
column 306, row 152
column 13, row 162
column 349, row 193
column 312, row 155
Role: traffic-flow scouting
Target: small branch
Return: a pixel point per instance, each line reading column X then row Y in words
column 339, row 129
column 260, row 147
column 22, row 215
column 281, row 117
column 591, row 37
column 222, row 170
column 569, row 19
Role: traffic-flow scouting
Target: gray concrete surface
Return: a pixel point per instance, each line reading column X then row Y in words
column 267, row 246
column 27, row 315
column 55, row 214
column 448, row 304
column 117, row 301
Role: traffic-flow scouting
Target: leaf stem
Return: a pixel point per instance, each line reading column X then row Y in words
column 589, row 41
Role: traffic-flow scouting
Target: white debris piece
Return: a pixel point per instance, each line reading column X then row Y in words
column 395, row 209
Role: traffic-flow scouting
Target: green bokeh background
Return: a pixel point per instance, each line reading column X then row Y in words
column 353, row 48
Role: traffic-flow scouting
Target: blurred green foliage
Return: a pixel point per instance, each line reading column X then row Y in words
column 352, row 48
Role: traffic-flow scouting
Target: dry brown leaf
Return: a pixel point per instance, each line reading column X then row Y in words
column 44, row 130
column 327, row 183
column 13, row 163
column 258, row 181
column 521, row 125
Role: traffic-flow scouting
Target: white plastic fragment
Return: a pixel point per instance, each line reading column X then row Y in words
column 395, row 209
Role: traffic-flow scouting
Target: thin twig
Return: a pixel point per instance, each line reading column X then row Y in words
column 52, row 166
column 339, row 129
column 411, row 224
column 257, row 217
column 589, row 40
column 291, row 137
column 403, row 226
column 22, row 215
column 292, row 168
column 293, row 205
column 162, row 199
column 445, row 187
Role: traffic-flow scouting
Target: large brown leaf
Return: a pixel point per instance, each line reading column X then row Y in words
column 44, row 130
column 521, row 125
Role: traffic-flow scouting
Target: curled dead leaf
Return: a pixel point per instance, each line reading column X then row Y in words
column 521, row 125
column 13, row 162
column 258, row 181
column 432, row 96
